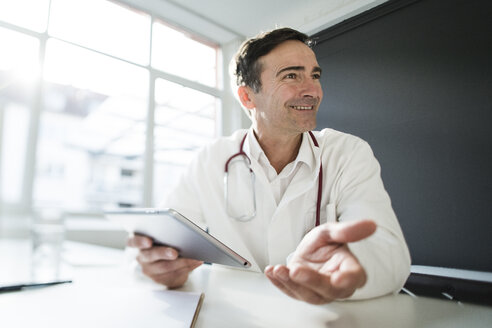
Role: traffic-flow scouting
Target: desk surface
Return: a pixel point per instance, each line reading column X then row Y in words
column 233, row 298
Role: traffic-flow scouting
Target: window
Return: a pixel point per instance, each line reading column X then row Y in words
column 19, row 71
column 184, row 122
column 194, row 61
column 103, row 26
column 92, row 128
column 75, row 98
column 30, row 14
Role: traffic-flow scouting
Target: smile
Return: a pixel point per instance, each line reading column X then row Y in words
column 302, row 107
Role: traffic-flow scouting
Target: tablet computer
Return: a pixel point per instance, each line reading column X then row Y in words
column 170, row 228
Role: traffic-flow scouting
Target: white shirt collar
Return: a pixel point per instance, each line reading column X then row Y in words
column 306, row 153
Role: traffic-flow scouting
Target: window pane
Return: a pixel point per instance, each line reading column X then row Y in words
column 30, row 14
column 185, row 121
column 19, row 73
column 84, row 69
column 103, row 26
column 176, row 53
column 92, row 134
column 14, row 122
column 19, row 60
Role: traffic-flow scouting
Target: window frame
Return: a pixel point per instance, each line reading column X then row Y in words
column 25, row 205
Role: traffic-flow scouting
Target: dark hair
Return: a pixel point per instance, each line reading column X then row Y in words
column 248, row 68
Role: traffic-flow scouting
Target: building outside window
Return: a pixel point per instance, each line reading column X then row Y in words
column 102, row 114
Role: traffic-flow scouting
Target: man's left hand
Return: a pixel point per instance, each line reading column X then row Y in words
column 322, row 268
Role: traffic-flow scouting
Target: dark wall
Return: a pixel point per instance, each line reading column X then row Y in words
column 414, row 79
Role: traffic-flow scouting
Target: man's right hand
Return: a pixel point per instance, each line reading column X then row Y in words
column 162, row 263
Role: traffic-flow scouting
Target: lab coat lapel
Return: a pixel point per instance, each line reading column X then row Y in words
column 265, row 200
column 228, row 231
column 305, row 179
column 287, row 225
column 302, row 183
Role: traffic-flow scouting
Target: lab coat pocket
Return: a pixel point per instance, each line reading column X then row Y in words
column 331, row 213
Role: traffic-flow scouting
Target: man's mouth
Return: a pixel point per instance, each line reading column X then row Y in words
column 302, row 107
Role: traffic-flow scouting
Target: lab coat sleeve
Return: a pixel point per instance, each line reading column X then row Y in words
column 361, row 195
column 184, row 196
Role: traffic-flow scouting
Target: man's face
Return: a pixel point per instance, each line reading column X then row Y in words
column 290, row 92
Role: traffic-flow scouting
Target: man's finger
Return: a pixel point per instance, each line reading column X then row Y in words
column 171, row 273
column 169, row 267
column 139, row 241
column 335, row 234
column 349, row 232
column 270, row 275
column 316, row 282
column 328, row 286
column 350, row 273
column 295, row 290
column 157, row 253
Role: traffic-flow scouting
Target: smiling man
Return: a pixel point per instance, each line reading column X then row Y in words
column 286, row 102
column 306, row 207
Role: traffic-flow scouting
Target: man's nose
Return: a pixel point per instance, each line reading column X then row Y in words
column 311, row 88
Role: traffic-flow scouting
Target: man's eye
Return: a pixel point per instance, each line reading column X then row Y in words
column 316, row 76
column 291, row 76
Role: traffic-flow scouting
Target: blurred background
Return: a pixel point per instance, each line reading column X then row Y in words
column 103, row 103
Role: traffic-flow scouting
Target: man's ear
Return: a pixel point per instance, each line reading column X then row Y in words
column 244, row 93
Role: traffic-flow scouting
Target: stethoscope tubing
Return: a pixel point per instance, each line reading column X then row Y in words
column 242, row 153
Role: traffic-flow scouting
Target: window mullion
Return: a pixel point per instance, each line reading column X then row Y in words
column 148, row 176
column 148, row 183
column 34, row 123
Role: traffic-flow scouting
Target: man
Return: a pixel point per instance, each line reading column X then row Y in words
column 320, row 226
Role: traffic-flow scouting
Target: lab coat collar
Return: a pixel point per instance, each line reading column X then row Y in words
column 307, row 152
column 304, row 180
column 315, row 150
column 252, row 146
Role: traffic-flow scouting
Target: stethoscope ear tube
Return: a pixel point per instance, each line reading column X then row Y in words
column 249, row 216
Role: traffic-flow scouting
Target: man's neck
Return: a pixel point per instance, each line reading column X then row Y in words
column 280, row 151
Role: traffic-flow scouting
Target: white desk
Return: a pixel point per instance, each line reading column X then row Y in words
column 233, row 298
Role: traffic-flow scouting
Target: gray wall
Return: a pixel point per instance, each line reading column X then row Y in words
column 414, row 79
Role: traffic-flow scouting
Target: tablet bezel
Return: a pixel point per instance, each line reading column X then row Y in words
column 170, row 228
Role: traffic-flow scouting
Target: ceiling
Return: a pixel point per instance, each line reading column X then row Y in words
column 223, row 21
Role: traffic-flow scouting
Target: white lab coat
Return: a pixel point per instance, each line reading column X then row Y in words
column 352, row 190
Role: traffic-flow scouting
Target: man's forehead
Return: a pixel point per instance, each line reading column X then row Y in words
column 297, row 68
column 290, row 53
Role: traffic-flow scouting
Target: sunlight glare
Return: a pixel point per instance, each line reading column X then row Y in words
column 19, row 59
column 31, row 14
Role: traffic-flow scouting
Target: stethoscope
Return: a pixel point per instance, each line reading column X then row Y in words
column 249, row 216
